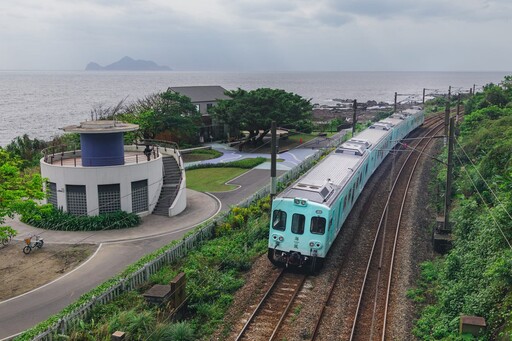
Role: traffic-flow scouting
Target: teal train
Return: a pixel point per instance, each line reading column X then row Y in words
column 308, row 215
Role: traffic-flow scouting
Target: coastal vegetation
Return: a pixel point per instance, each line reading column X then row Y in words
column 18, row 189
column 49, row 218
column 165, row 116
column 474, row 278
column 254, row 110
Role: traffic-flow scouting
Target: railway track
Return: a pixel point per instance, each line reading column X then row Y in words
column 268, row 316
column 370, row 316
column 361, row 318
column 372, row 311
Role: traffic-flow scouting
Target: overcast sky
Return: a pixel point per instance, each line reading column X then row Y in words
column 259, row 35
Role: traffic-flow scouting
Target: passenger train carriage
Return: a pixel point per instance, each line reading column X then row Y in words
column 308, row 215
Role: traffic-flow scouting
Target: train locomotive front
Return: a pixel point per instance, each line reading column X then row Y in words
column 299, row 233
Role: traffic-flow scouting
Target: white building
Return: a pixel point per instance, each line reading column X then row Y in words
column 107, row 176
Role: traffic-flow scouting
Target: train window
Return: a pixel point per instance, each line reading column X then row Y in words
column 318, row 225
column 279, row 220
column 345, row 202
column 298, row 221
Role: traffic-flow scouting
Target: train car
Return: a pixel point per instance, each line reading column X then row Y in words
column 308, row 215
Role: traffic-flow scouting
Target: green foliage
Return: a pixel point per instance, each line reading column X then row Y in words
column 166, row 116
column 180, row 331
column 255, row 110
column 17, row 189
column 474, row 278
column 137, row 324
column 49, row 218
column 27, row 150
column 200, row 155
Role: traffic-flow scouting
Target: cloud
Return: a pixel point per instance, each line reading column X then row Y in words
column 253, row 35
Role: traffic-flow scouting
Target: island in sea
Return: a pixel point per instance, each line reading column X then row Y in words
column 128, row 64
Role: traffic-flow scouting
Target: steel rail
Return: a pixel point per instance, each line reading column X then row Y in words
column 273, row 288
column 428, row 122
column 436, row 126
column 388, row 292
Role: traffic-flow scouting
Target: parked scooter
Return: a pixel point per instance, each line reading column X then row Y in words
column 38, row 244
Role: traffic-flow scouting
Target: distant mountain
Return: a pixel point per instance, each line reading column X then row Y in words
column 127, row 64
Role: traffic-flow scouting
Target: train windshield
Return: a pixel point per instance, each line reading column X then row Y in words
column 298, row 221
column 279, row 220
column 318, row 225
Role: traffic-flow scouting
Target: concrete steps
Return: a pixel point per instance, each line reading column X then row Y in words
column 172, row 180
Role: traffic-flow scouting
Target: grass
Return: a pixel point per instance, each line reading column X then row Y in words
column 200, row 155
column 212, row 179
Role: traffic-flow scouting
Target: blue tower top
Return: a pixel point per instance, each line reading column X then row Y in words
column 102, row 142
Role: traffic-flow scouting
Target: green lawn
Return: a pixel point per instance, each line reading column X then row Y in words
column 212, row 179
column 201, row 154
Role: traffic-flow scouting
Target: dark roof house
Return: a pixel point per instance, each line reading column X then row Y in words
column 202, row 96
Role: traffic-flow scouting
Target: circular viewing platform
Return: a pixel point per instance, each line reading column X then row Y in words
column 74, row 159
column 101, row 127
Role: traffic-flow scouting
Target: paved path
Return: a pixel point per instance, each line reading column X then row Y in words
column 117, row 249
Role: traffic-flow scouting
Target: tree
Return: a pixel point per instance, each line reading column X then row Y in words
column 27, row 150
column 166, row 114
column 17, row 189
column 255, row 110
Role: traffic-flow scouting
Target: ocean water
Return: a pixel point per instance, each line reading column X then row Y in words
column 38, row 103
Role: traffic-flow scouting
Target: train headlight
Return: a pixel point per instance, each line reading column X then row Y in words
column 277, row 238
column 314, row 244
column 300, row 202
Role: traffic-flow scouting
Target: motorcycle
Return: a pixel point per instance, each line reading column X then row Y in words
column 37, row 244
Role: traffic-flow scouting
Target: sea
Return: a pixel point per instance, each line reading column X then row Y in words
column 38, row 103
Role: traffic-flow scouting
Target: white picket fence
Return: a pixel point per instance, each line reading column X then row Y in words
column 142, row 275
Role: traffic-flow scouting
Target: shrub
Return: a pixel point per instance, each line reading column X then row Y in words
column 180, row 331
column 137, row 324
column 47, row 217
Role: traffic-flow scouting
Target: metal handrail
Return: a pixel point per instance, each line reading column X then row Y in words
column 162, row 143
column 65, row 152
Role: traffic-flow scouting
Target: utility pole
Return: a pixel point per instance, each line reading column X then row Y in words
column 474, row 87
column 423, row 100
column 273, row 161
column 458, row 108
column 354, row 117
column 449, row 176
column 394, row 108
column 446, row 121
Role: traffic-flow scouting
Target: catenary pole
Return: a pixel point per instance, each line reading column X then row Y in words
column 273, row 161
column 449, row 176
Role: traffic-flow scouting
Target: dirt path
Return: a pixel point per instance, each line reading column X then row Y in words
column 21, row 273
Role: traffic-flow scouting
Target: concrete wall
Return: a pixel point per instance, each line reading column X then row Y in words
column 91, row 177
